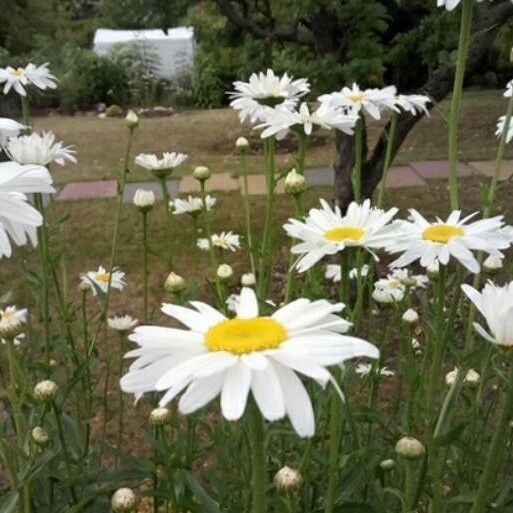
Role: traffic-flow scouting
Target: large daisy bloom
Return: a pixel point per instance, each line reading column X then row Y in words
column 496, row 305
column 388, row 290
column 192, row 205
column 501, row 126
column 19, row 219
column 263, row 90
column 372, row 101
column 100, row 279
column 224, row 240
column 9, row 128
column 418, row 239
column 279, row 121
column 326, row 231
column 39, row 149
column 216, row 355
column 161, row 166
column 14, row 78
column 40, row 76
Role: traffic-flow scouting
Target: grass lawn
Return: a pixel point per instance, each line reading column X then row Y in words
column 208, row 137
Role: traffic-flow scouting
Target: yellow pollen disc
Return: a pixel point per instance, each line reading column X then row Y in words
column 103, row 277
column 396, row 284
column 17, row 72
column 442, row 232
column 242, row 336
column 7, row 315
column 343, row 233
column 356, row 97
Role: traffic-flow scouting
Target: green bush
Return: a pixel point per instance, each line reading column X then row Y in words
column 114, row 111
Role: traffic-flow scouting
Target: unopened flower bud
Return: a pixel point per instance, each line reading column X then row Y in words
column 410, row 448
column 415, row 344
column 45, row 390
column 224, row 272
column 40, row 436
column 471, row 379
column 248, row 280
column 123, row 501
column 160, row 416
column 242, row 145
column 174, row 283
column 492, row 264
column 288, row 479
column 131, row 120
column 387, row 464
column 410, row 316
column 433, row 270
column 294, row 183
column 84, row 286
column 144, row 199
column 201, row 173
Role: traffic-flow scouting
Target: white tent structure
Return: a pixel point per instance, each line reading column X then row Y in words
column 175, row 49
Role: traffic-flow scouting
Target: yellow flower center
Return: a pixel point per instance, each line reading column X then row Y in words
column 103, row 277
column 396, row 284
column 343, row 233
column 442, row 233
column 18, row 72
column 242, row 336
column 7, row 315
column 356, row 97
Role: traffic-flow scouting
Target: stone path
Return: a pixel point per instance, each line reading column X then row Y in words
column 413, row 175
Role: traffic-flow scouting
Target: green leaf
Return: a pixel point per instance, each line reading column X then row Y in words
column 355, row 507
column 10, row 502
column 209, row 505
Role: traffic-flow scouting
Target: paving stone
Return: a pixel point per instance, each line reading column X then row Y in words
column 403, row 176
column 487, row 168
column 173, row 186
column 257, row 185
column 218, row 182
column 438, row 169
column 87, row 190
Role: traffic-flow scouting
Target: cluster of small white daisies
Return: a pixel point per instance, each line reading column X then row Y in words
column 19, row 78
column 225, row 240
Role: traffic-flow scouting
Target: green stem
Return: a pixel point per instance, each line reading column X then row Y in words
column 13, row 397
column 291, row 274
column 247, row 212
column 169, row 222
column 388, row 159
column 266, row 249
column 25, row 113
column 463, row 45
column 257, row 446
column 358, row 159
column 303, row 145
column 496, row 446
column 145, row 265
column 120, row 397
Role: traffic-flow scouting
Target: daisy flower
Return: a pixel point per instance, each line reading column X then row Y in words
column 192, row 205
column 333, row 272
column 19, row 219
column 249, row 353
column 264, row 90
column 508, row 92
column 364, row 369
column 408, row 279
column 279, row 121
column 413, row 103
column 11, row 324
column 388, row 291
column 224, row 240
column 39, row 149
column 40, row 76
column 496, row 305
column 162, row 166
column 372, row 101
column 9, row 128
column 428, row 242
column 449, row 4
column 100, row 280
column 326, row 231
column 14, row 78
column 500, row 128
column 122, row 323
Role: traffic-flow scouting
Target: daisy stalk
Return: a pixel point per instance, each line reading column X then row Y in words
column 247, row 210
column 258, row 468
column 358, row 160
column 146, row 273
column 467, row 7
column 388, row 159
column 169, row 222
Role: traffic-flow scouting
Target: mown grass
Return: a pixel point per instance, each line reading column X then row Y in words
column 208, row 137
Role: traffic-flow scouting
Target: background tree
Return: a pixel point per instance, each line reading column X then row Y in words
column 376, row 42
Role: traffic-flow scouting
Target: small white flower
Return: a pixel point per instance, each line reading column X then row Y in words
column 46, row 390
column 415, row 344
column 264, row 90
column 192, row 205
column 216, row 356
column 295, row 183
column 326, row 231
column 122, row 323
column 248, row 280
column 508, row 92
column 174, row 283
column 373, row 101
column 288, row 479
column 428, row 242
column 9, row 128
column 224, row 272
column 11, row 322
column 496, row 305
column 501, row 126
column 224, row 240
column 162, row 166
column 492, row 263
column 413, row 103
column 241, row 143
column 388, row 291
column 449, row 4
column 39, row 149
column 40, row 76
column 410, row 448
column 202, row 173
column 333, row 272
column 472, row 377
column 123, row 501
column 144, row 199
column 364, row 369
column 410, row 316
column 100, row 279
column 408, row 279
